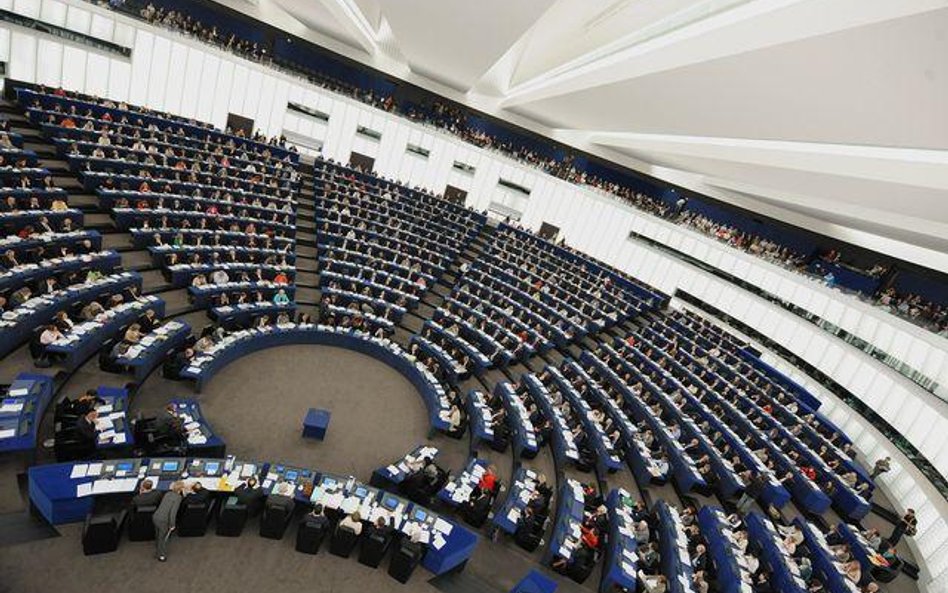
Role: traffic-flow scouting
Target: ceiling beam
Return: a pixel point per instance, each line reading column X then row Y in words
column 906, row 166
column 667, row 44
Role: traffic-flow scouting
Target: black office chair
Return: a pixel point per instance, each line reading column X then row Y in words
column 528, row 540
column 101, row 533
column 276, row 518
column 140, row 527
column 343, row 542
column 404, row 560
column 579, row 571
column 232, row 518
column 106, row 362
column 193, row 518
column 37, row 350
column 310, row 536
column 373, row 549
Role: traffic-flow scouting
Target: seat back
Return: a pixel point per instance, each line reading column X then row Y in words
column 274, row 521
column 140, row 527
column 194, row 517
column 343, row 541
column 231, row 520
column 100, row 533
column 373, row 550
column 309, row 537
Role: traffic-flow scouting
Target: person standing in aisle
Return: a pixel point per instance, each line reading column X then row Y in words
column 165, row 516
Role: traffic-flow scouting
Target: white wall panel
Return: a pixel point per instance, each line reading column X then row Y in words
column 53, row 12
column 158, row 75
column 102, row 27
column 49, row 63
column 97, row 73
column 120, row 75
column 174, row 85
column 78, row 19
column 30, row 8
column 4, row 44
column 191, row 93
column 23, row 57
column 74, row 67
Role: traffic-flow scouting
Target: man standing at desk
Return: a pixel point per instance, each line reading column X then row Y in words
column 165, row 518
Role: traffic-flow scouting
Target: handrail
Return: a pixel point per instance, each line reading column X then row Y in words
column 13, row 18
column 927, row 383
column 888, row 431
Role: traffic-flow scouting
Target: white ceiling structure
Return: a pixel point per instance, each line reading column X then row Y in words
column 828, row 114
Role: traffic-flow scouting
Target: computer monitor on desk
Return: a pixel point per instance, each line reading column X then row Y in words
column 420, row 515
column 390, row 502
column 166, row 468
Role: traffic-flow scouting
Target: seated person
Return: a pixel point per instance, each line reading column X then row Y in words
column 353, row 522
column 198, row 494
column 282, row 497
column 477, row 507
column 147, row 495
column 316, row 519
column 251, row 495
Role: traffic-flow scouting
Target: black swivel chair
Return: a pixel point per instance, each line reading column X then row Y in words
column 343, row 542
column 231, row 520
column 276, row 518
column 310, row 536
column 37, row 350
column 106, row 362
column 404, row 560
column 194, row 517
column 101, row 533
column 373, row 549
column 140, row 527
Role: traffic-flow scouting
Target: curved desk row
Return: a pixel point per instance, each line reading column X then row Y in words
column 21, row 411
column 17, row 326
column 244, row 342
column 142, row 358
column 65, row 492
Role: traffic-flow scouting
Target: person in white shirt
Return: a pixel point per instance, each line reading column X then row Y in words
column 353, row 522
column 50, row 335
column 219, row 277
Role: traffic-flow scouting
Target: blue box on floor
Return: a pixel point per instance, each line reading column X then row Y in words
column 535, row 582
column 315, row 423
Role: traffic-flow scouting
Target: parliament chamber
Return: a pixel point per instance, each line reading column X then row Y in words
column 278, row 315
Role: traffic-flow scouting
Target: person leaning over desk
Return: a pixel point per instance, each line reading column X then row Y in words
column 165, row 518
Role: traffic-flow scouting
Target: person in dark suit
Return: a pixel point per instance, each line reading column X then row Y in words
column 250, row 495
column 380, row 529
column 148, row 322
column 86, row 430
column 316, row 519
column 477, row 507
column 147, row 495
column 699, row 560
column 198, row 494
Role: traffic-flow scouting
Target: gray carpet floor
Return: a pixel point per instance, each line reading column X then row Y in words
column 256, row 405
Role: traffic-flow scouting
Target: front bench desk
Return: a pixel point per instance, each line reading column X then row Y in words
column 21, row 411
column 64, row 493
column 244, row 342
